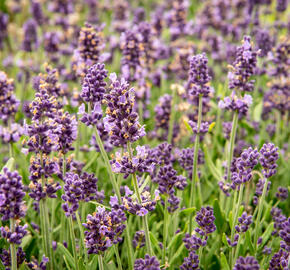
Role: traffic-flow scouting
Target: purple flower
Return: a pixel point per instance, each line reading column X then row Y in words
column 268, row 157
column 30, row 41
column 244, row 222
column 33, row 264
column 285, row 235
column 5, row 257
column 4, row 19
column 191, row 262
column 205, row 219
column 79, row 188
column 245, row 263
column 16, row 236
column 243, row 67
column 148, row 263
column 11, row 190
column 139, row 239
column 94, row 86
column 279, row 260
column 199, row 76
column 203, row 127
column 104, row 229
column 278, row 218
column 282, row 193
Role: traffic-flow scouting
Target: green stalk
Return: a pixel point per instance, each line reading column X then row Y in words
column 115, row 186
column 145, row 221
column 237, row 249
column 83, row 249
column 236, row 213
column 260, row 210
column 165, row 230
column 232, row 143
column 195, row 181
column 172, row 116
column 13, row 252
column 73, row 241
column 101, row 264
column 118, row 258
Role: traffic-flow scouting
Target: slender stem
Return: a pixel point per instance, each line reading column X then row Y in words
column 236, row 213
column 232, row 143
column 260, row 210
column 145, row 221
column 165, row 229
column 237, row 249
column 195, row 181
column 73, row 241
column 118, row 257
column 115, row 186
column 13, row 252
column 82, row 238
column 101, row 263
column 172, row 116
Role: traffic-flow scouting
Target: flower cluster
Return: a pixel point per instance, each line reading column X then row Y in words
column 121, row 122
column 79, row 188
column 244, row 263
column 259, row 190
column 30, row 40
column 8, row 102
column 5, row 257
column 243, row 67
column 11, row 195
column 139, row 239
column 148, row 263
column 104, row 229
column 282, row 193
column 127, row 165
column 268, row 157
column 199, row 76
column 244, row 222
column 11, row 134
column 168, row 181
column 14, row 237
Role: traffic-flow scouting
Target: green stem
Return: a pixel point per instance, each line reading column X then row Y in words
column 165, row 230
column 137, row 192
column 236, row 213
column 118, row 257
column 260, row 210
column 73, row 241
column 101, row 263
column 237, row 249
column 172, row 117
column 115, row 186
column 195, row 181
column 13, row 252
column 232, row 143
column 82, row 238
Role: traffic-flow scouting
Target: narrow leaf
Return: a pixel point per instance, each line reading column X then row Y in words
column 248, row 242
column 224, row 262
column 66, row 254
column 9, row 165
column 219, row 216
column 155, row 242
column 188, row 211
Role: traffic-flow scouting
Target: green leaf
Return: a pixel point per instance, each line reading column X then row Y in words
column 177, row 237
column 81, row 264
column 2, row 267
column 9, row 165
column 188, row 211
column 93, row 263
column 231, row 219
column 211, row 126
column 248, row 242
column 188, row 127
column 213, row 169
column 66, row 262
column 266, row 235
column 258, row 112
column 220, row 220
column 155, row 242
column 224, row 240
column 66, row 254
column 177, row 254
column 224, row 262
column 26, row 241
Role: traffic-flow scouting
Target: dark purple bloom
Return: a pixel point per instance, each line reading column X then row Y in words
column 139, row 239
column 279, row 260
column 104, row 229
column 282, row 193
column 281, row 5
column 193, row 242
column 94, row 86
column 259, row 190
column 244, row 222
column 285, row 235
column 6, row 257
column 33, row 264
column 243, row 67
column 227, row 128
column 245, row 263
column 4, row 19
column 79, row 188
column 11, row 195
column 16, row 236
column 205, row 219
column 36, row 11
column 268, row 157
column 51, row 42
column 203, row 127
column 30, row 41
column 11, row 134
column 191, row 262
column 199, row 76
column 278, row 218
column 148, row 263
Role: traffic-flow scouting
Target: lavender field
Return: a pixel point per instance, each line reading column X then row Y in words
column 144, row 134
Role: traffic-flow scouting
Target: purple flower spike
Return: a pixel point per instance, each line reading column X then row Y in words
column 245, row 263
column 268, row 157
column 148, row 263
column 205, row 219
